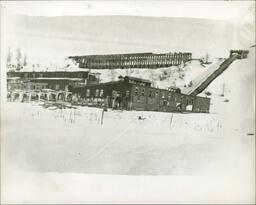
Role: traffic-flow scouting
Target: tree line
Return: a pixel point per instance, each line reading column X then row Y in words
column 16, row 60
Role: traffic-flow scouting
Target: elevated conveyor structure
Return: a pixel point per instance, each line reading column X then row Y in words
column 215, row 70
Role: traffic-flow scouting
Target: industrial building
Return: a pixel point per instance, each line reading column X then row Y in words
column 56, row 80
column 131, row 93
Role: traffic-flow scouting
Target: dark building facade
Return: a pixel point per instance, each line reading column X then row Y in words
column 59, row 80
column 132, row 60
column 25, row 85
column 49, row 74
column 136, row 94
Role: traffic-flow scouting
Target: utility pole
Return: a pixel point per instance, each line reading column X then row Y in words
column 223, row 90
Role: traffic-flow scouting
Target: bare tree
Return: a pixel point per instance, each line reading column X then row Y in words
column 207, row 58
column 9, row 57
column 25, row 61
column 223, row 90
column 18, row 58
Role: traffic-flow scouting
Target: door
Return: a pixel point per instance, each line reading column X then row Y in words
column 116, row 99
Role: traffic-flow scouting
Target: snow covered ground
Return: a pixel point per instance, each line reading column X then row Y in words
column 48, row 147
column 120, row 138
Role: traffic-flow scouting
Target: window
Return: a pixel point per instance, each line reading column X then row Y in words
column 143, row 92
column 96, row 92
column 127, row 93
column 88, row 93
column 150, row 93
column 175, row 98
column 156, row 93
column 136, row 90
column 101, row 92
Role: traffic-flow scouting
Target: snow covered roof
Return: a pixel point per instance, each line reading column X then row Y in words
column 138, row 79
column 13, row 78
column 51, row 71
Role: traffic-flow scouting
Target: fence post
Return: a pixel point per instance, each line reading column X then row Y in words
column 102, row 115
column 171, row 121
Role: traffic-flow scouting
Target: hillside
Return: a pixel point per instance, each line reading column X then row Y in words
column 237, row 106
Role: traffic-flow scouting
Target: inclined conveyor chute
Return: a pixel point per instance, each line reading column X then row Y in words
column 216, row 69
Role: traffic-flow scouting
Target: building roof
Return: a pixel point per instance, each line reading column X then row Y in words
column 109, row 55
column 137, row 79
column 97, row 84
column 51, row 71
column 118, row 81
column 126, row 54
column 13, row 78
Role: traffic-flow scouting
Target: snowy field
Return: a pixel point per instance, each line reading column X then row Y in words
column 69, row 144
column 72, row 140
column 76, row 140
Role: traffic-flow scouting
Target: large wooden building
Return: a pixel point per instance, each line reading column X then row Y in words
column 137, row 94
column 131, row 60
column 56, row 80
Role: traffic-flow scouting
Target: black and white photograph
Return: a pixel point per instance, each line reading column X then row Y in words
column 125, row 102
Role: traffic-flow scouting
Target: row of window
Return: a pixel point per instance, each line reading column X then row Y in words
column 38, row 87
column 41, row 75
column 98, row 92
column 152, row 94
column 188, row 101
column 24, row 86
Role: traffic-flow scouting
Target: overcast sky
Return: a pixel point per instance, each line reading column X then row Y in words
column 214, row 32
